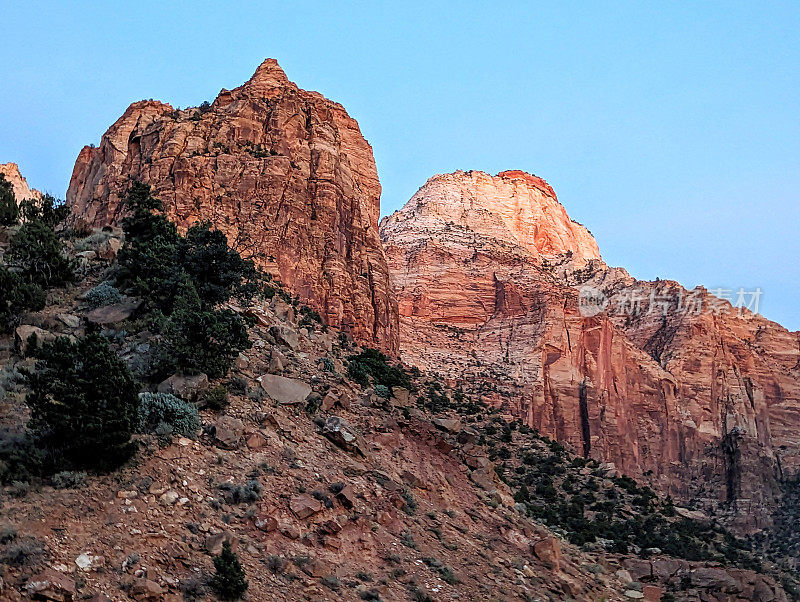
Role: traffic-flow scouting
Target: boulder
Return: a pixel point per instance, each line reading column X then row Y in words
column 256, row 441
column 400, row 396
column 485, row 478
column 548, row 550
column 449, row 425
column 476, row 462
column 304, row 505
column 241, row 362
column 145, row 589
column 410, row 479
column 330, row 527
column 652, row 593
column 86, row 561
column 715, row 578
column 290, row 530
column 266, row 523
column 112, row 314
column 228, row 431
column 467, row 435
column 168, row 498
column 185, row 387
column 286, row 335
column 347, row 497
column 51, row 585
column 340, row 432
column 285, row 390
column 277, row 362
column 108, row 249
column 69, row 320
column 328, row 402
column 24, row 332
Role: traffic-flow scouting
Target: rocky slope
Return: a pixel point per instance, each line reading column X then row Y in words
column 325, row 488
column 20, row 185
column 284, row 173
column 488, row 272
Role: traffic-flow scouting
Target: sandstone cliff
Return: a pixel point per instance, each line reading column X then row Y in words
column 487, row 272
column 20, row 185
column 283, row 172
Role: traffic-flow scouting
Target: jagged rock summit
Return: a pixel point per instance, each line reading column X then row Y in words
column 675, row 387
column 284, row 173
column 20, row 185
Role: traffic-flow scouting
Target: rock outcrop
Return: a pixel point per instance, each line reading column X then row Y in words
column 20, row 185
column 491, row 277
column 284, row 173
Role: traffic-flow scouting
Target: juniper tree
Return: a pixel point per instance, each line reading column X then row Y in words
column 84, row 404
column 229, row 582
column 9, row 211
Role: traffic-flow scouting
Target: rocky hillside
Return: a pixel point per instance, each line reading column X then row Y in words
column 284, row 173
column 333, row 474
column 671, row 386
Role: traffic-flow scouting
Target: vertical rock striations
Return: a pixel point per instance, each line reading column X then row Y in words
column 488, row 271
column 283, row 172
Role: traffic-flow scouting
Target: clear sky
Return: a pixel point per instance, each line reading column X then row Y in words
column 670, row 129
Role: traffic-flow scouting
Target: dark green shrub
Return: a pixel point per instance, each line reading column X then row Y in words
column 310, row 317
column 84, row 404
column 9, row 210
column 147, row 260
column 185, row 279
column 163, row 413
column 24, row 552
column 217, row 271
column 216, row 398
column 409, row 503
column 372, row 366
column 69, row 479
column 237, row 494
column 17, row 296
column 36, row 251
column 198, row 339
column 48, row 211
column 156, row 258
column 276, row 564
column 229, row 582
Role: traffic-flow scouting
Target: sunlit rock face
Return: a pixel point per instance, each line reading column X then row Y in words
column 18, row 183
column 489, row 273
column 283, row 172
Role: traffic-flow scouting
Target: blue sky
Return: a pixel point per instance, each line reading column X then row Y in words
column 671, row 130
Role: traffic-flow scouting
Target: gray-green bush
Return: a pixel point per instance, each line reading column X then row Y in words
column 103, row 294
column 163, row 413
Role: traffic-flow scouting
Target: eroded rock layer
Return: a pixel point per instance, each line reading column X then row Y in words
column 703, row 403
column 284, row 173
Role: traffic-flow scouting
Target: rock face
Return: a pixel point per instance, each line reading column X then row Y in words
column 284, row 173
column 20, row 185
column 492, row 279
